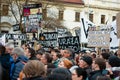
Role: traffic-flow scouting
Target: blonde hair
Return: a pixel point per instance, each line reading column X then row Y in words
column 34, row 68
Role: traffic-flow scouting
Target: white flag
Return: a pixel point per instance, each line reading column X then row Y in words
column 86, row 26
column 2, row 40
column 114, row 41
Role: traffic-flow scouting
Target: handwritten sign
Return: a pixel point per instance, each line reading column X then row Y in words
column 98, row 39
column 71, row 42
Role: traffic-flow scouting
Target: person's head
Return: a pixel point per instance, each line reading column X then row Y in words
column 2, row 49
column 55, row 54
column 105, row 56
column 79, row 74
column 85, row 61
column 67, row 53
column 25, row 46
column 18, row 51
column 39, row 54
column 34, row 68
column 114, row 61
column 118, row 53
column 30, row 52
column 56, row 77
column 9, row 47
column 65, row 63
column 64, row 72
column 38, row 46
column 46, row 58
column 98, row 64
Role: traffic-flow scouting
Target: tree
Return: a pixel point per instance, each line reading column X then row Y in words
column 16, row 10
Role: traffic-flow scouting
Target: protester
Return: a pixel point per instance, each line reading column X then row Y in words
column 9, row 47
column 6, row 61
column 56, row 56
column 85, row 62
column 63, row 71
column 78, row 74
column 39, row 54
column 65, row 63
column 34, row 70
column 46, row 58
column 30, row 53
column 114, row 68
column 98, row 67
column 20, row 60
column 68, row 53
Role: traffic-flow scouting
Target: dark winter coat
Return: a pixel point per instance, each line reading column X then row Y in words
column 7, row 64
column 93, row 75
column 19, row 64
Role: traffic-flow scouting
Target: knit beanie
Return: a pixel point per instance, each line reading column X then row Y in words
column 114, row 61
column 87, row 59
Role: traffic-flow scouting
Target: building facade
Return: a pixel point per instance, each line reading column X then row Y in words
column 69, row 12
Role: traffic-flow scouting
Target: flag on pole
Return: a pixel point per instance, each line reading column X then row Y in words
column 114, row 41
column 86, row 25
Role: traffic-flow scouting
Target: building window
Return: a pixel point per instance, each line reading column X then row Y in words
column 102, row 19
column 113, row 18
column 5, row 9
column 44, row 12
column 91, row 17
column 61, row 15
column 77, row 16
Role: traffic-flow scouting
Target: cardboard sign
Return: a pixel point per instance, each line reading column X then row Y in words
column 98, row 39
column 118, row 24
column 71, row 42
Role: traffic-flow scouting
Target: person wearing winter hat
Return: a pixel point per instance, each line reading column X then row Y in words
column 114, row 63
column 85, row 63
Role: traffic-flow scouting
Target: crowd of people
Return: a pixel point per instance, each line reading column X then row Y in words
column 27, row 63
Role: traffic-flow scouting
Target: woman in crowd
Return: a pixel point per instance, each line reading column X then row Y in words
column 65, row 63
column 34, row 70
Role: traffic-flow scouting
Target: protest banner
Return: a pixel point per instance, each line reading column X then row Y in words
column 32, row 17
column 16, row 36
column 98, row 39
column 71, row 42
column 48, row 39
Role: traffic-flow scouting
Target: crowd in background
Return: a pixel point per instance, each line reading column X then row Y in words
column 27, row 63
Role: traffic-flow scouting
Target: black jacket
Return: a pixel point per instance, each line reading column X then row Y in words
column 94, row 74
